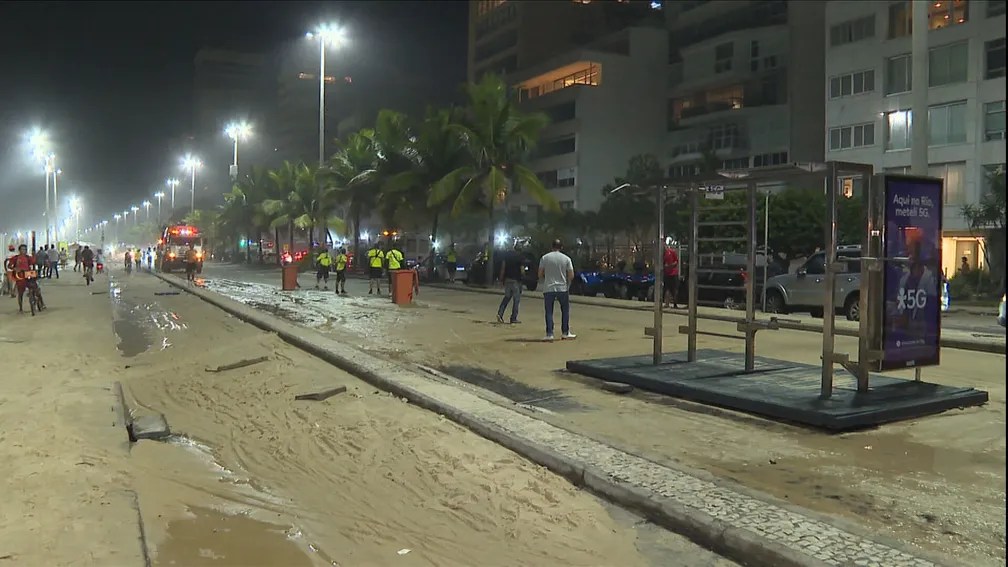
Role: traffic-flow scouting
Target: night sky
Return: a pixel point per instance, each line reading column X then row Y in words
column 111, row 82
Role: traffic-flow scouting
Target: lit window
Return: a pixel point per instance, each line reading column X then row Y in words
column 994, row 121
column 946, row 13
column 898, row 128
column 590, row 75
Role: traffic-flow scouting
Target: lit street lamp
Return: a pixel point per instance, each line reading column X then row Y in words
column 326, row 34
column 191, row 162
column 237, row 131
column 146, row 206
column 75, row 210
column 173, row 183
column 117, row 217
column 134, row 209
column 159, row 195
column 56, row 173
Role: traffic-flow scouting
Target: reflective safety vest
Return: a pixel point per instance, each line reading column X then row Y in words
column 324, row 260
column 375, row 258
column 341, row 262
column 451, row 256
column 394, row 258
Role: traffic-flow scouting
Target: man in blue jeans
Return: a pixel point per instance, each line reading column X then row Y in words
column 512, row 274
column 556, row 271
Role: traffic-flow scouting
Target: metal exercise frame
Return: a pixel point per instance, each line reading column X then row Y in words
column 831, row 174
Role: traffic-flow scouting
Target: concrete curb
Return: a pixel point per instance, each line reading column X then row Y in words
column 737, row 543
column 993, row 347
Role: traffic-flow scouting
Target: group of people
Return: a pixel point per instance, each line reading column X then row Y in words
column 379, row 261
column 48, row 260
column 556, row 272
column 20, row 265
column 326, row 262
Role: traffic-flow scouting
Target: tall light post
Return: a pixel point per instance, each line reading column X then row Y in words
column 326, row 34
column 191, row 162
column 75, row 210
column 38, row 143
column 117, row 216
column 134, row 209
column 146, row 206
column 237, row 131
column 159, row 195
column 172, row 183
column 103, row 224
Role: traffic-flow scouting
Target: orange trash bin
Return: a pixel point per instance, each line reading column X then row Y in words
column 288, row 280
column 404, row 283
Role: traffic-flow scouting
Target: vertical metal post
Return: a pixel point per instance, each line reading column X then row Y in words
column 766, row 243
column 694, row 265
column 659, row 264
column 47, row 216
column 919, row 60
column 192, row 195
column 871, row 278
column 829, row 283
column 750, row 283
column 55, row 196
column 917, row 374
column 321, row 110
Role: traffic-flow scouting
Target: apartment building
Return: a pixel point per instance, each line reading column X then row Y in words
column 593, row 69
column 868, row 83
column 746, row 84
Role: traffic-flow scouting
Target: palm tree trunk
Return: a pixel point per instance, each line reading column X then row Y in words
column 356, row 235
column 248, row 249
column 259, row 239
column 488, row 277
column 276, row 244
column 290, row 237
column 434, row 229
column 311, row 236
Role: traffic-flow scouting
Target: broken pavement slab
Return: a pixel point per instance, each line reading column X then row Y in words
column 239, row 364
column 323, row 395
column 152, row 426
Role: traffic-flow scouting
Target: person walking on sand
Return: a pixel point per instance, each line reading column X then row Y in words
column 556, row 271
column 511, row 275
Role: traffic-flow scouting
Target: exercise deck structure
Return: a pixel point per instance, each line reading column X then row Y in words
column 781, row 390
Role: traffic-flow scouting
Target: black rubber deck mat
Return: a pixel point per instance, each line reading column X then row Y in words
column 781, row 390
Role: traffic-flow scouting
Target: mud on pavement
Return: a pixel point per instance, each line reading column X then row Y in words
column 253, row 477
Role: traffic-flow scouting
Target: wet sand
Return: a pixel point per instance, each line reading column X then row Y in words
column 938, row 482
column 360, row 479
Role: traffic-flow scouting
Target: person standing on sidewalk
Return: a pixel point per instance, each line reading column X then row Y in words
column 393, row 259
column 451, row 262
column 556, row 271
column 512, row 273
column 670, row 278
column 77, row 261
column 322, row 264
column 53, row 261
column 376, row 261
column 341, row 266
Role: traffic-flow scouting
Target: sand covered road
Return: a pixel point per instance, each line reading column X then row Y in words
column 937, row 482
column 355, row 480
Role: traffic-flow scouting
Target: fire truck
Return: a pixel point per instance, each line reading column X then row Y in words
column 173, row 244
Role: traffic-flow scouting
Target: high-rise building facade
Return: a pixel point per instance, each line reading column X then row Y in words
column 746, row 84
column 868, row 83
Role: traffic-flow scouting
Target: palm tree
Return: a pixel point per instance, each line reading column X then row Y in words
column 352, row 168
column 435, row 152
column 241, row 206
column 277, row 208
column 314, row 195
column 498, row 138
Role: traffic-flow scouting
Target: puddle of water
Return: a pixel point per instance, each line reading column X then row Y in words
column 141, row 326
column 210, row 538
column 512, row 389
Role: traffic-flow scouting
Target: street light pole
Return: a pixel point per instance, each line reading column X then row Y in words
column 159, row 195
column 146, row 206
column 55, row 175
column 321, row 112
column 136, row 217
column 173, row 183
column 192, row 194
column 48, row 167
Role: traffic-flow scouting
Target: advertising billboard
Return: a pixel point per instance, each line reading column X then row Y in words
column 912, row 278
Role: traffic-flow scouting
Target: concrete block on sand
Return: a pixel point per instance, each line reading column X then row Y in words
column 153, row 426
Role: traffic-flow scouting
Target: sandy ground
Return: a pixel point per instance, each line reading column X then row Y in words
column 65, row 470
column 937, row 482
column 256, row 478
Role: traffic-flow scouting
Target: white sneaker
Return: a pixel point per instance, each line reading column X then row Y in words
column 569, row 336
column 548, row 339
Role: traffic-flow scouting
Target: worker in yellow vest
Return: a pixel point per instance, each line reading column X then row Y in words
column 394, row 260
column 341, row 263
column 451, row 263
column 323, row 262
column 376, row 260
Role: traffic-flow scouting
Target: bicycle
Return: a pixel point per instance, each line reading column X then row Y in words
column 35, row 301
column 89, row 274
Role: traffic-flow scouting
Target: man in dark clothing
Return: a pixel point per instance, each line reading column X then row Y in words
column 77, row 258
column 512, row 273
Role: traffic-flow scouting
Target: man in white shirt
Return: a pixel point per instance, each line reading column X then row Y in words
column 556, row 271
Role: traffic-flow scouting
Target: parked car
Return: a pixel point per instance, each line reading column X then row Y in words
column 440, row 271
column 620, row 285
column 803, row 290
